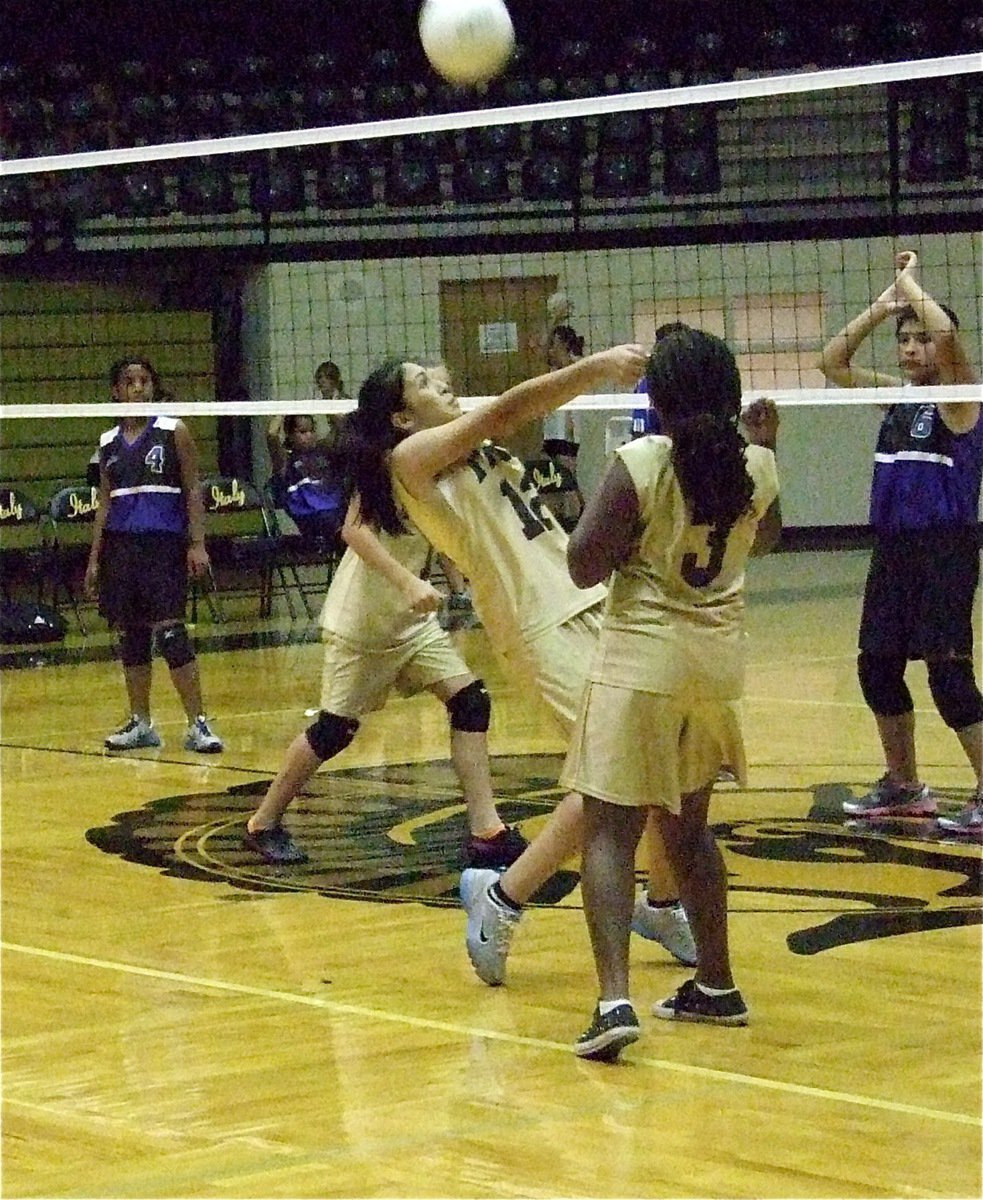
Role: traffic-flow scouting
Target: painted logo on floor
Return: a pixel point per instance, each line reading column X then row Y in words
column 396, row 833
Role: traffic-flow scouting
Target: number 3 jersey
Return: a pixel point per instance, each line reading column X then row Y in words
column 145, row 491
column 674, row 622
column 488, row 518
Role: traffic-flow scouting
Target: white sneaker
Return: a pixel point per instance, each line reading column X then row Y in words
column 667, row 926
column 135, row 734
column 490, row 926
column 201, row 738
column 968, row 822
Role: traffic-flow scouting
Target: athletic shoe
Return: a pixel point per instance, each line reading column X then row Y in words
column 200, row 738
column 608, row 1034
column 459, row 601
column 494, row 853
column 668, row 926
column 968, row 822
column 726, row 775
column 689, row 1003
column 490, row 926
column 135, row 734
column 887, row 799
column 275, row 845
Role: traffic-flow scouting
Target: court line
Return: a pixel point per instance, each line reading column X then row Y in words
column 357, row 1010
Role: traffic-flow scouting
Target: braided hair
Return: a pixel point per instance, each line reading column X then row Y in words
column 694, row 382
column 366, row 436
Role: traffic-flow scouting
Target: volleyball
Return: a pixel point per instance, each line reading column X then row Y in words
column 466, row 41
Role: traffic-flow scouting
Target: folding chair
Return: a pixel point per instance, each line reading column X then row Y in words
column 296, row 551
column 21, row 546
column 237, row 522
column 70, row 510
column 558, row 486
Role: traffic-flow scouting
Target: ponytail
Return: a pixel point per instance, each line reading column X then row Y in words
column 694, row 381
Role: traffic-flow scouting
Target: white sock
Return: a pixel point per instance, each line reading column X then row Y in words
column 709, row 991
column 606, row 1006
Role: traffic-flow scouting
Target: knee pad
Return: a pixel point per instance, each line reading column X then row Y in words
column 135, row 646
column 470, row 708
column 882, row 683
column 955, row 692
column 330, row 734
column 175, row 646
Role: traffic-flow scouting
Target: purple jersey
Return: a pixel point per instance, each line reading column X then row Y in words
column 146, row 494
column 924, row 474
column 309, row 488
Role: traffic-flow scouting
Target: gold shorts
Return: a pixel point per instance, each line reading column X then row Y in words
column 355, row 681
column 557, row 663
column 641, row 748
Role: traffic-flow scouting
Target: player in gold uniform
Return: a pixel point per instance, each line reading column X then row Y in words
column 414, row 450
column 672, row 524
column 381, row 634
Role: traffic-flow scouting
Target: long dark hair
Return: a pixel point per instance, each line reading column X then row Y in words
column 694, row 382
column 366, row 436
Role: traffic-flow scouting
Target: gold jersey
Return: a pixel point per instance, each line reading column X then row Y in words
column 674, row 622
column 364, row 608
column 488, row 517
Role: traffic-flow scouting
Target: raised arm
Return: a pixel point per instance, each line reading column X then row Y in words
column 607, row 532
column 836, row 356
column 422, row 456
column 950, row 355
column 759, row 423
column 275, row 445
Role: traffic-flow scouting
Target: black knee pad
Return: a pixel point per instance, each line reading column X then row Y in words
column 955, row 691
column 882, row 683
column 330, row 734
column 135, row 646
column 470, row 708
column 175, row 646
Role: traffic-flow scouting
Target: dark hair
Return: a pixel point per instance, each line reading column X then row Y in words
column 365, row 438
column 290, row 424
column 569, row 338
column 667, row 328
column 694, row 383
column 120, row 365
column 910, row 313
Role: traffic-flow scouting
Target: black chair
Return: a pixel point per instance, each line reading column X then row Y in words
column 557, row 484
column 21, row 546
column 243, row 536
column 70, row 511
column 297, row 550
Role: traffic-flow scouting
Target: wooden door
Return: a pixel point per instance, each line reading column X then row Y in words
column 492, row 331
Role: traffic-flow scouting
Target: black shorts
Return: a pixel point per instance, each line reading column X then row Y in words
column 918, row 600
column 143, row 578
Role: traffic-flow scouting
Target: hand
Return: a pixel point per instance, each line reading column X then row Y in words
column 558, row 308
column 197, row 560
column 760, row 421
column 905, row 261
column 624, row 364
column 889, row 302
column 422, row 597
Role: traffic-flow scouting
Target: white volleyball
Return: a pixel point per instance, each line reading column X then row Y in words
column 466, row 41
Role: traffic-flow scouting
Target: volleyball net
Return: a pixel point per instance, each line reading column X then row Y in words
column 766, row 210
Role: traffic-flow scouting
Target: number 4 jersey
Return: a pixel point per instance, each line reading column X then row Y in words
column 145, row 492
column 492, row 522
column 675, row 617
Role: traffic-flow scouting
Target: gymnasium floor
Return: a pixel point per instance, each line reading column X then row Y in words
column 180, row 1020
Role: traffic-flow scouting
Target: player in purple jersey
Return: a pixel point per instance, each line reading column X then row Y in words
column 149, row 533
column 924, row 569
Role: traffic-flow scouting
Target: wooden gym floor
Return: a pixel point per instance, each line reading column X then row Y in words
column 180, row 1020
